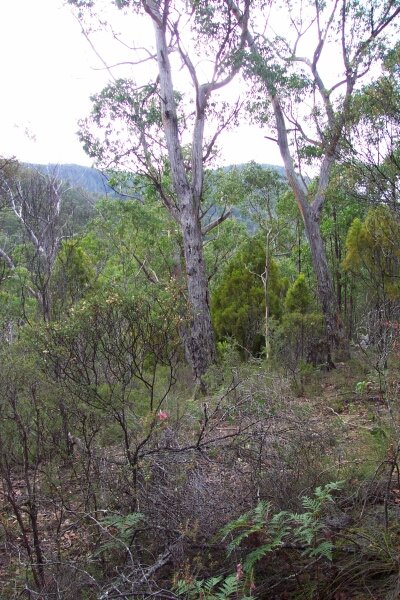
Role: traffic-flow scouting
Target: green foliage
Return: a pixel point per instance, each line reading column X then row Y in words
column 374, row 566
column 238, row 302
column 261, row 188
column 102, row 367
column 120, row 529
column 114, row 349
column 15, row 303
column 300, row 333
column 131, row 243
column 250, row 522
column 73, row 275
column 298, row 297
column 296, row 337
column 361, row 386
column 375, row 132
column 215, row 588
column 373, row 253
column 303, row 529
column 28, row 407
column 136, row 110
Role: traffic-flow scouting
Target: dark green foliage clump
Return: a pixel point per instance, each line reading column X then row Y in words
column 299, row 338
column 238, row 303
column 298, row 297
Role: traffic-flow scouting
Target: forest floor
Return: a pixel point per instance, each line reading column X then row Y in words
column 343, row 426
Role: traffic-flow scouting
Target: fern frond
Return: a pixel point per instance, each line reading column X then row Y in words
column 259, row 553
column 252, row 518
column 241, row 521
column 323, row 550
column 228, row 587
column 261, row 511
column 122, row 522
column 209, row 584
column 312, row 504
column 182, row 587
column 278, row 519
column 301, row 518
column 239, row 539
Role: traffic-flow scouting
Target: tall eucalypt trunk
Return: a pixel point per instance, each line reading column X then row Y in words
column 200, row 343
column 311, row 214
column 159, row 125
column 351, row 30
column 335, row 332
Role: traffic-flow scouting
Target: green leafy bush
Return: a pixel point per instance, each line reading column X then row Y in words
column 298, row 297
column 303, row 530
column 238, row 302
column 215, row 588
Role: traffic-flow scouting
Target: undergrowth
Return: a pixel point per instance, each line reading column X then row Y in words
column 233, row 495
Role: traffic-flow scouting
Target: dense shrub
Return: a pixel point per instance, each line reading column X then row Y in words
column 238, row 302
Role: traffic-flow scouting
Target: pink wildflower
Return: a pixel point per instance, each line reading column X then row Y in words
column 239, row 571
column 162, row 415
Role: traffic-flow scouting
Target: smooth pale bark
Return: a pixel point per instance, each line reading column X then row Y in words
column 311, row 214
column 200, row 343
column 355, row 56
column 310, row 211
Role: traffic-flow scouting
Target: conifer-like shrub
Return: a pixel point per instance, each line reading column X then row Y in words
column 238, row 302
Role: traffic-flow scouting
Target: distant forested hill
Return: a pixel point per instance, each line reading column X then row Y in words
column 95, row 182
column 86, row 178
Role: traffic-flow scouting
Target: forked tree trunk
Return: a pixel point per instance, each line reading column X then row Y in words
column 199, row 343
column 311, row 214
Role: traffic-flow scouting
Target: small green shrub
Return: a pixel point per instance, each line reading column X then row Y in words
column 215, row 588
column 298, row 528
column 238, row 302
column 303, row 529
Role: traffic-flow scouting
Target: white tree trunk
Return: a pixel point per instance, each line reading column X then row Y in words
column 200, row 344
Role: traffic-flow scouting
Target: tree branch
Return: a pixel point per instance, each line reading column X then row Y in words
column 225, row 215
column 7, row 259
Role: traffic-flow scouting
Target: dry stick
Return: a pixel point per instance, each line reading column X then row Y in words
column 161, row 561
column 293, row 576
column 393, row 466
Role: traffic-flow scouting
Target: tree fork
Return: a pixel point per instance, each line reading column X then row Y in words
column 200, row 344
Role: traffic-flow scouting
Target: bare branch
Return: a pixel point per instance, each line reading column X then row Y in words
column 93, row 47
column 224, row 125
column 225, row 215
column 7, row 259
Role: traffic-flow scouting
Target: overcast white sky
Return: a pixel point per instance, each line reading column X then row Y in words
column 48, row 73
column 47, row 79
